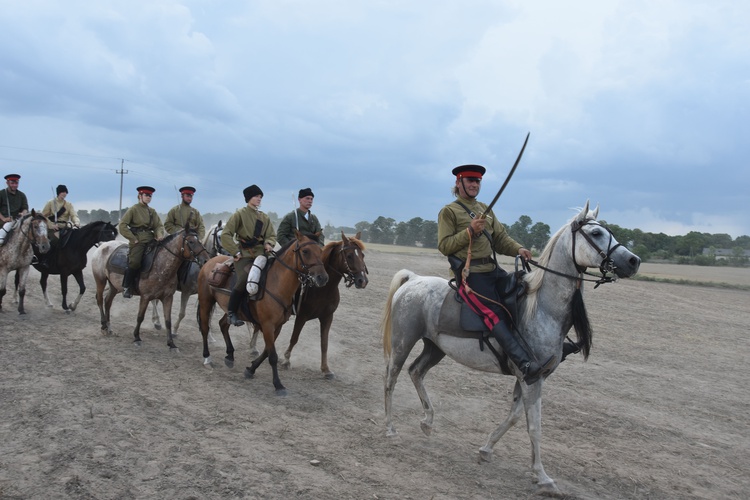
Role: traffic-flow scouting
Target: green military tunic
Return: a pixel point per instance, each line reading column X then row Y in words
column 307, row 226
column 140, row 225
column 178, row 216
column 61, row 212
column 238, row 235
column 11, row 205
column 453, row 239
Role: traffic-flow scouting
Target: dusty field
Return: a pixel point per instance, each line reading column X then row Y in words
column 659, row 410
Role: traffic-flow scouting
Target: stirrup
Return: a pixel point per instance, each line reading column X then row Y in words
column 234, row 320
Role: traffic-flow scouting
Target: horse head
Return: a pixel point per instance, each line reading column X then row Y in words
column 351, row 261
column 192, row 249
column 308, row 261
column 598, row 247
column 107, row 232
column 38, row 232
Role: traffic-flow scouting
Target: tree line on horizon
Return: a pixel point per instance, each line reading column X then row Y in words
column 692, row 248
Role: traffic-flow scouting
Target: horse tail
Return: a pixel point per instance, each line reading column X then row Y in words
column 399, row 279
column 581, row 324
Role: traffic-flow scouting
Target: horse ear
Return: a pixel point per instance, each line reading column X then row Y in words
column 595, row 212
column 358, row 236
column 344, row 238
column 581, row 217
column 297, row 234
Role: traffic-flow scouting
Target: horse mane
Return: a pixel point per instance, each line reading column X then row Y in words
column 534, row 280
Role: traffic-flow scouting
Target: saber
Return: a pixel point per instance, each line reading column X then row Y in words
column 507, row 179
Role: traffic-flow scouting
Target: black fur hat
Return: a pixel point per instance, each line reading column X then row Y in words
column 251, row 191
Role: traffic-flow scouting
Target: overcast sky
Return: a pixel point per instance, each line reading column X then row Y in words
column 640, row 106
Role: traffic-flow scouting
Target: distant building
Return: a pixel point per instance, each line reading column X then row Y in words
column 724, row 253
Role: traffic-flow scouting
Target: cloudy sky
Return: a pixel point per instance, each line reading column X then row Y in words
column 640, row 106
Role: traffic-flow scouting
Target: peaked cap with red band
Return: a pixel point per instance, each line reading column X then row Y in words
column 187, row 189
column 12, row 177
column 471, row 171
column 145, row 189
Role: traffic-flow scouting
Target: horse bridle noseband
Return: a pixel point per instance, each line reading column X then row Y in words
column 31, row 236
column 182, row 248
column 304, row 277
column 348, row 275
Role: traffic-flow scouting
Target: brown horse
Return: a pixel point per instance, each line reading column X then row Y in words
column 159, row 282
column 297, row 262
column 345, row 260
column 29, row 232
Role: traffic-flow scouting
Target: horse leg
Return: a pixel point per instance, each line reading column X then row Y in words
column 167, row 304
column 64, row 290
column 299, row 323
column 155, row 314
column 273, row 359
column 253, row 331
column 205, row 308
column 21, row 275
column 325, row 328
column 224, row 327
column 142, row 306
column 43, row 283
column 78, row 275
column 184, row 297
column 532, row 401
column 429, row 357
column 399, row 353
column 516, row 409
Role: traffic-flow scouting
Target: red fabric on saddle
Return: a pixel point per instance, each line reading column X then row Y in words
column 489, row 318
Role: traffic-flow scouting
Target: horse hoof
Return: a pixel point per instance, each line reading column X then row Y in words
column 207, row 363
column 138, row 343
column 67, row 311
column 284, row 365
column 173, row 349
column 229, row 363
column 50, row 306
column 485, row 455
column 391, row 433
column 329, row 376
column 548, row 490
column 158, row 327
column 254, row 354
column 249, row 374
column 426, row 428
column 281, row 392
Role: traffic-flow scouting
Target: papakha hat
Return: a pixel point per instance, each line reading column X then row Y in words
column 305, row 192
column 61, row 189
column 251, row 192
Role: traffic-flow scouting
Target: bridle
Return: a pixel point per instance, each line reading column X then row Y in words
column 31, row 235
column 607, row 265
column 304, row 275
column 348, row 275
column 181, row 254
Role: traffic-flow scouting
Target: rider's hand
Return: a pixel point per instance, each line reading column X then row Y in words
column 268, row 247
column 477, row 225
column 525, row 253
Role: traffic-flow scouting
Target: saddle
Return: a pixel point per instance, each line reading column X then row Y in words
column 118, row 261
column 223, row 277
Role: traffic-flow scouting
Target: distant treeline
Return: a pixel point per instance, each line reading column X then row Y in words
column 693, row 248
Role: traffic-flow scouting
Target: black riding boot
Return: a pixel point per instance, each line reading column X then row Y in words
column 531, row 369
column 127, row 283
column 569, row 348
column 234, row 302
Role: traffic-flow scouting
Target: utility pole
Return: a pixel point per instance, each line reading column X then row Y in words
column 122, row 171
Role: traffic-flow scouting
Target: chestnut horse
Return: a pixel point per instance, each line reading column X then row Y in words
column 345, row 260
column 159, row 282
column 299, row 261
column 28, row 232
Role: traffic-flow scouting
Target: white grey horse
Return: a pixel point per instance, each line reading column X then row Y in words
column 551, row 306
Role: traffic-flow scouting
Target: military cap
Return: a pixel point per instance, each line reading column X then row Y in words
column 473, row 171
column 12, row 177
column 145, row 190
column 187, row 189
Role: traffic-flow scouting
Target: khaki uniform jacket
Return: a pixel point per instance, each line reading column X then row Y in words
column 13, row 204
column 241, row 226
column 140, row 224
column 453, row 239
column 307, row 227
column 178, row 216
column 68, row 215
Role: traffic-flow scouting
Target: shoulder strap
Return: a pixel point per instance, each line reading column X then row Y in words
column 473, row 216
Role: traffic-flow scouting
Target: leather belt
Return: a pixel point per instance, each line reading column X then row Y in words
column 483, row 260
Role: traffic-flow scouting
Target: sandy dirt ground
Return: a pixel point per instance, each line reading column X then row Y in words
column 660, row 410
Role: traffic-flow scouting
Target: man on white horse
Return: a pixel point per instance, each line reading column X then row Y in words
column 13, row 204
column 464, row 225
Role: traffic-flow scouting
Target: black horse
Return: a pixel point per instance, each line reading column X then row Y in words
column 68, row 257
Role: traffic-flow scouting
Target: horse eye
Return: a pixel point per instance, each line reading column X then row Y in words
column 596, row 232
